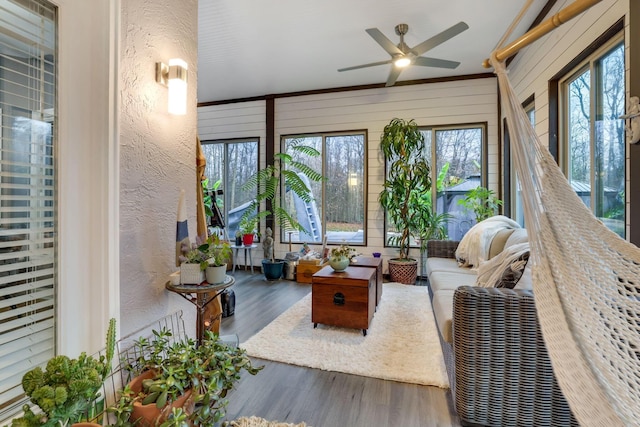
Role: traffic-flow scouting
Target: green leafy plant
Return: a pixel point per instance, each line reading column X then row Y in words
column 217, row 250
column 343, row 250
column 249, row 223
column 208, row 370
column 482, row 202
column 408, row 179
column 208, row 190
column 283, row 171
column 196, row 254
column 65, row 390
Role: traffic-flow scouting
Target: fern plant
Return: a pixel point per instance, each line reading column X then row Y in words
column 283, row 172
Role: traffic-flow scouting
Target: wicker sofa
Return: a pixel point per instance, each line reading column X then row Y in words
column 497, row 362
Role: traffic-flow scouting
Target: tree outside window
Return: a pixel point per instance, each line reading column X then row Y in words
column 230, row 164
column 338, row 210
column 595, row 142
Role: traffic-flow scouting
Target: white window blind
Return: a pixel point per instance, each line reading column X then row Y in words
column 28, row 207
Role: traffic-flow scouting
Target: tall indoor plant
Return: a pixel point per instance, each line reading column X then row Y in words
column 282, row 173
column 406, row 183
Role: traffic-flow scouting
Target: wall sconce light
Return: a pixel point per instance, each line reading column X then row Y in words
column 174, row 76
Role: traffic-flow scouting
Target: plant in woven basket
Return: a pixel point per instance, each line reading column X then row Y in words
column 406, row 184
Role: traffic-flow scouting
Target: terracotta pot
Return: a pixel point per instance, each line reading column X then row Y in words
column 150, row 415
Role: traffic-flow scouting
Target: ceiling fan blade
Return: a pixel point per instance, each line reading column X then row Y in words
column 439, row 38
column 372, row 64
column 433, row 62
column 393, row 76
column 383, row 41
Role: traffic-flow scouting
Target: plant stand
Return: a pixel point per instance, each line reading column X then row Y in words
column 200, row 296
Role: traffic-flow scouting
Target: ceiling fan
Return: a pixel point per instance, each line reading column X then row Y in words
column 403, row 56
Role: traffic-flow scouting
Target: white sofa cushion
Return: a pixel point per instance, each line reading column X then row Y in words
column 443, row 311
column 518, row 236
column 446, row 264
column 450, row 279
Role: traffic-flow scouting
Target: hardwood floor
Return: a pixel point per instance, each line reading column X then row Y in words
column 293, row 394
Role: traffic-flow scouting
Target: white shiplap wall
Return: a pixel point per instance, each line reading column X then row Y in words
column 535, row 65
column 456, row 102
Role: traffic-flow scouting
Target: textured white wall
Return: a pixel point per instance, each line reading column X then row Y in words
column 157, row 156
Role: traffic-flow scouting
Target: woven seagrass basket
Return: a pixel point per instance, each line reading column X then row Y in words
column 404, row 272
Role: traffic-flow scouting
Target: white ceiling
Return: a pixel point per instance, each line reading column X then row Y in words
column 249, row 48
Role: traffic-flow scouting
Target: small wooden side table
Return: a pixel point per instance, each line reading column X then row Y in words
column 200, row 296
column 366, row 261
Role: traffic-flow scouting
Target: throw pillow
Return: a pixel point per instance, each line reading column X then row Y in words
column 505, row 269
column 513, row 272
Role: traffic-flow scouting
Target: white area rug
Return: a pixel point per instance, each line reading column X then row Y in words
column 401, row 344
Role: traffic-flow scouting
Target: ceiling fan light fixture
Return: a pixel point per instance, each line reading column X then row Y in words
column 402, row 62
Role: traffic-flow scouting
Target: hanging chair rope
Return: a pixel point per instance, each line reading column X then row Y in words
column 586, row 283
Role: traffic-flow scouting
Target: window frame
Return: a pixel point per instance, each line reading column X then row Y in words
column 225, row 196
column 483, row 126
column 589, row 63
column 324, row 136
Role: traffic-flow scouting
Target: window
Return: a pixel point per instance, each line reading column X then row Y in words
column 28, row 204
column 338, row 210
column 457, row 153
column 593, row 150
column 229, row 165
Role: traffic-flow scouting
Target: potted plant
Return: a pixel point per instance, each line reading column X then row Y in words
column 283, row 172
column 248, row 227
column 218, row 252
column 67, row 388
column 340, row 257
column 193, row 263
column 181, row 380
column 407, row 181
column 482, row 202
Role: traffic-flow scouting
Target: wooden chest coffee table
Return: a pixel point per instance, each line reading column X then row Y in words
column 346, row 299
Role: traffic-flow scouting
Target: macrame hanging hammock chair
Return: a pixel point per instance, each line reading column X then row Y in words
column 586, row 280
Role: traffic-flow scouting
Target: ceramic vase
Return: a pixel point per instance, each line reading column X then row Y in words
column 339, row 263
column 217, row 274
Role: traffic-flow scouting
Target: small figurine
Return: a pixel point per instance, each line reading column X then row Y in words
column 267, row 244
